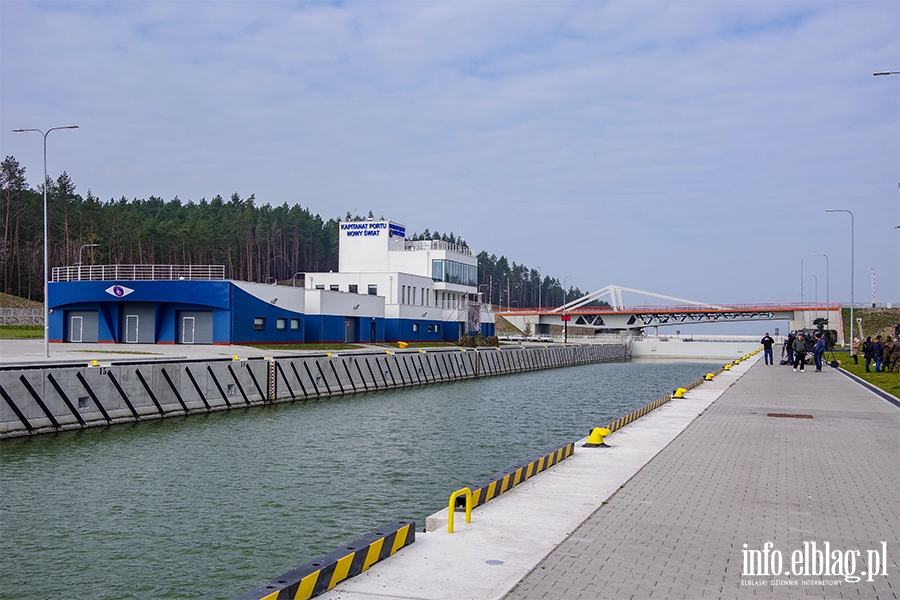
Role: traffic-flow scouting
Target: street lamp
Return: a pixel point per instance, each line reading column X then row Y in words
column 852, row 228
column 817, row 293
column 82, row 248
column 827, row 281
column 79, row 257
column 565, row 316
column 540, row 289
column 46, row 251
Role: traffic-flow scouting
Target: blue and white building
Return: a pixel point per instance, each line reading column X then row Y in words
column 387, row 289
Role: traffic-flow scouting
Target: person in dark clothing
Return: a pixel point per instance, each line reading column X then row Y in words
column 767, row 343
column 867, row 352
column 819, row 351
column 799, row 352
column 789, row 344
column 877, row 352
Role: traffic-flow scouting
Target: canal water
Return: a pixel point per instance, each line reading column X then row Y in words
column 212, row 506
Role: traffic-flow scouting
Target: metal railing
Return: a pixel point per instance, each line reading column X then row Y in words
column 437, row 245
column 138, row 273
column 808, row 306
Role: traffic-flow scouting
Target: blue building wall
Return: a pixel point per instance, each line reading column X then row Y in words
column 245, row 308
column 106, row 297
column 233, row 313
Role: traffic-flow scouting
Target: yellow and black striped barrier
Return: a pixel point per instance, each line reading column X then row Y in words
column 625, row 420
column 321, row 575
column 493, row 486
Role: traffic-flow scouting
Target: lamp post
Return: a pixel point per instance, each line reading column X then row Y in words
column 852, row 228
column 817, row 293
column 827, row 282
column 540, row 289
column 46, row 251
column 565, row 316
column 79, row 257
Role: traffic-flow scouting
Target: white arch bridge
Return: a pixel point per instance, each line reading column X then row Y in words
column 584, row 317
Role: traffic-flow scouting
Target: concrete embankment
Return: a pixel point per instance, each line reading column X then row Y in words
column 544, row 498
column 63, row 396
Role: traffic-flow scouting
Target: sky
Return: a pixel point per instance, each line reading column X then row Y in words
column 685, row 148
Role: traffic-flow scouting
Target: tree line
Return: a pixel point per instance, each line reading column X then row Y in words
column 258, row 243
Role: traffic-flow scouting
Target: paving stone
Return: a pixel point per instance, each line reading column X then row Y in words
column 736, row 476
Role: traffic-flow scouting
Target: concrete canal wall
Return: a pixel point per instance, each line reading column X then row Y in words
column 74, row 396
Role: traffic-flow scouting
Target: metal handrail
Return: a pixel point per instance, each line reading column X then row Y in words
column 437, row 245
column 139, row 273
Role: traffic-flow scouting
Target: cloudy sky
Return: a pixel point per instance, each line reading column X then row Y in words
column 686, row 148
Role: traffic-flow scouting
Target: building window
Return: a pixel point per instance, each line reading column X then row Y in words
column 334, row 288
column 454, row 272
column 415, row 328
column 320, row 287
column 373, row 289
column 431, row 329
column 259, row 323
column 295, row 324
column 353, row 288
column 280, row 324
column 437, row 328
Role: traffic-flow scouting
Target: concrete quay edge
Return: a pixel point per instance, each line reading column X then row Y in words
column 509, row 536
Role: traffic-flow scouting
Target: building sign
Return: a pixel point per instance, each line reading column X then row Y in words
column 119, row 291
column 372, row 229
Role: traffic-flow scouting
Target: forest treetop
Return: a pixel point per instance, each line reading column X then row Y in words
column 255, row 243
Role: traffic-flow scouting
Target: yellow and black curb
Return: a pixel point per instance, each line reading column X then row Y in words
column 321, row 575
column 636, row 414
column 493, row 486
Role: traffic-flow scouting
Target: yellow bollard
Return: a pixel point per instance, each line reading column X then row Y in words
column 402, row 345
column 235, row 357
column 679, row 393
column 727, row 367
column 709, row 377
column 452, row 506
column 596, row 438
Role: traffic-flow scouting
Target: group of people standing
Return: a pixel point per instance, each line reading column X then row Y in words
column 796, row 347
column 884, row 354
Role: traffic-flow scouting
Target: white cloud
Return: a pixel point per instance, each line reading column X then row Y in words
column 642, row 143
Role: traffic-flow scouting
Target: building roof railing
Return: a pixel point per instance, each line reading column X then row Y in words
column 437, row 245
column 138, row 272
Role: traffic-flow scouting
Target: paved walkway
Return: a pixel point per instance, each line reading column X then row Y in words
column 666, row 511
column 736, row 476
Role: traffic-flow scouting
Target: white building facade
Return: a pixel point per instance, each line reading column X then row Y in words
column 430, row 287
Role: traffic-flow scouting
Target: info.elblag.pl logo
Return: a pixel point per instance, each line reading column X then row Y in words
column 816, row 561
